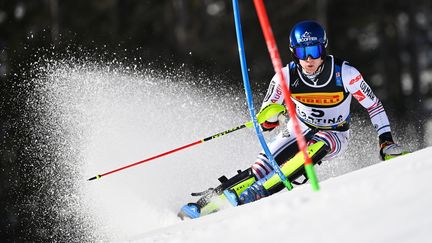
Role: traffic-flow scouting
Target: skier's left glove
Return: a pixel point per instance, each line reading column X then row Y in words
column 267, row 126
column 390, row 150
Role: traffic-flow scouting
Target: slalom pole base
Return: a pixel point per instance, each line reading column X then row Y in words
column 310, row 172
column 287, row 184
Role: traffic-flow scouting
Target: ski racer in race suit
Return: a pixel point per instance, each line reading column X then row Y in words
column 322, row 87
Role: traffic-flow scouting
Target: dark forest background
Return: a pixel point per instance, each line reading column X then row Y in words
column 389, row 41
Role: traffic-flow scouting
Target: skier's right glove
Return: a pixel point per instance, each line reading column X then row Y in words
column 390, row 150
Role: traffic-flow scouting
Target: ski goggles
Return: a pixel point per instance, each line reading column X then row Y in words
column 304, row 52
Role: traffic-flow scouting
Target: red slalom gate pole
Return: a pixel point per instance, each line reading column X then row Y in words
column 277, row 65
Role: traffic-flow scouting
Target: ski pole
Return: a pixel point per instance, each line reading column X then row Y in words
column 264, row 115
column 277, row 64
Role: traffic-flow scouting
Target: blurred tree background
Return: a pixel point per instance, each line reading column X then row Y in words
column 389, row 41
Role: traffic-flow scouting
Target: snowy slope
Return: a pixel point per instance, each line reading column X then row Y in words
column 386, row 202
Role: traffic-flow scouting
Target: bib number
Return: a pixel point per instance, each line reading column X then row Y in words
column 317, row 113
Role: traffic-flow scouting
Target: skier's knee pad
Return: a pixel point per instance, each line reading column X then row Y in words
column 296, row 169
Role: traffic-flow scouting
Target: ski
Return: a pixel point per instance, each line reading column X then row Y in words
column 229, row 191
column 213, row 200
column 212, row 205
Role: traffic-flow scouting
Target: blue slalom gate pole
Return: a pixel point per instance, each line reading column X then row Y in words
column 248, row 92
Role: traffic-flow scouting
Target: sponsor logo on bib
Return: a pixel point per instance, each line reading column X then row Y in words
column 324, row 99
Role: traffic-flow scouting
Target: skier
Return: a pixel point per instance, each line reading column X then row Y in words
column 322, row 87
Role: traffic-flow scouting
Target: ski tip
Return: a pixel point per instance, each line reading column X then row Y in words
column 94, row 177
column 189, row 211
column 183, row 216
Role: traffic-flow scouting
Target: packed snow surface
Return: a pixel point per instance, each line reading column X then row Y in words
column 386, row 202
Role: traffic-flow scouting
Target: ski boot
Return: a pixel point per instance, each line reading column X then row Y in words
column 214, row 199
column 251, row 194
